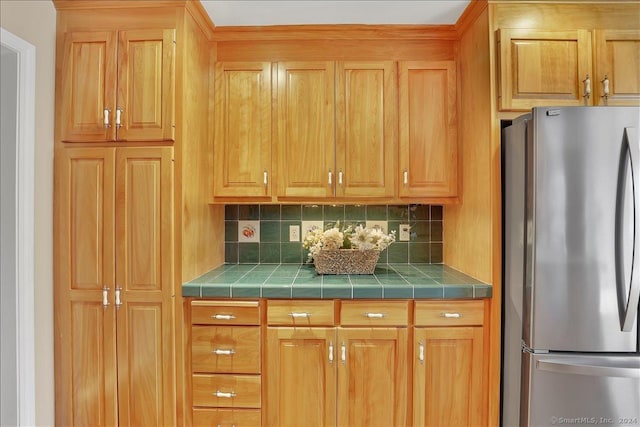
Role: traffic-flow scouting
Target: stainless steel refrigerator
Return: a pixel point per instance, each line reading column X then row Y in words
column 571, row 182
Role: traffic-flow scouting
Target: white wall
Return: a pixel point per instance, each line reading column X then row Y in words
column 35, row 22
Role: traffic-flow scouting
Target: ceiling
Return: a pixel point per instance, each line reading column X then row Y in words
column 302, row 12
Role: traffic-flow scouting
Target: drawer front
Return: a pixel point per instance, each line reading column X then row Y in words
column 226, row 417
column 300, row 313
column 225, row 349
column 374, row 313
column 226, row 391
column 225, row 312
column 449, row 313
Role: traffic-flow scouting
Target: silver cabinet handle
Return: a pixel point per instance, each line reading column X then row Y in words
column 451, row 315
column 300, row 315
column 340, row 177
column 223, row 316
column 343, row 353
column 605, row 87
column 118, row 301
column 119, row 111
column 587, row 87
column 405, row 177
column 105, row 120
column 374, row 315
column 105, row 297
column 421, row 352
column 265, row 178
column 577, row 367
column 224, row 394
column 330, row 351
column 330, row 179
column 223, row 352
column 220, row 425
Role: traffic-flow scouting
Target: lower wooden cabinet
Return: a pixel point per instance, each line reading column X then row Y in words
column 341, row 363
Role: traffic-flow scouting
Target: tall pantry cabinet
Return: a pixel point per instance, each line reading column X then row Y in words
column 130, row 227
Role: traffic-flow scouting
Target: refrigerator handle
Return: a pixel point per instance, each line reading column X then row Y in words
column 603, row 370
column 629, row 310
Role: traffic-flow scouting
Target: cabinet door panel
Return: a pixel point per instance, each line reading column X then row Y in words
column 428, row 130
column 302, row 378
column 146, row 85
column 618, row 58
column 372, row 377
column 542, row 67
column 243, row 129
column 447, row 384
column 144, row 274
column 88, row 86
column 85, row 329
column 366, row 128
column 306, row 141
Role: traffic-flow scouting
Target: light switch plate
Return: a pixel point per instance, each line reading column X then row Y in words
column 294, row 233
column 248, row 231
column 382, row 225
column 310, row 225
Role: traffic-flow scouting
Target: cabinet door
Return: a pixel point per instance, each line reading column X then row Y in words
column 618, row 59
column 306, row 140
column 428, row 163
column 144, row 259
column 146, row 85
column 372, row 377
column 365, row 128
column 87, row 87
column 85, row 350
column 542, row 68
column 301, row 371
column 447, row 376
column 242, row 151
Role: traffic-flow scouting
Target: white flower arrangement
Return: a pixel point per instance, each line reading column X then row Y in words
column 334, row 238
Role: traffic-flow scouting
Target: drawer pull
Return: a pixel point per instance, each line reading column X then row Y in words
column 221, row 352
column 220, row 425
column 374, row 315
column 300, row 315
column 228, row 395
column 450, row 315
column 223, row 316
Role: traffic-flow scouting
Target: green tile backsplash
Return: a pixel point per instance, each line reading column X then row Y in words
column 425, row 244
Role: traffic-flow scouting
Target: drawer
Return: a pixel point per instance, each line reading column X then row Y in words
column 225, row 349
column 300, row 313
column 374, row 313
column 449, row 313
column 226, row 417
column 225, row 312
column 226, row 391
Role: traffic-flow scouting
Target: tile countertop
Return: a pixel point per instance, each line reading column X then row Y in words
column 390, row 281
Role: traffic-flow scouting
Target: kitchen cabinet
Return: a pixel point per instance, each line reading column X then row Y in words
column 114, row 298
column 242, row 151
column 565, row 68
column 428, row 145
column 118, row 85
column 448, row 363
column 226, row 363
column 336, row 129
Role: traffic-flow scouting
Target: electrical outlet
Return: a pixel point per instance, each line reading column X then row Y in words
column 382, row 225
column 294, row 233
column 405, row 233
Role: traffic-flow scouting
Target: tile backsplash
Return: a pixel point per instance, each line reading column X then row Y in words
column 424, row 245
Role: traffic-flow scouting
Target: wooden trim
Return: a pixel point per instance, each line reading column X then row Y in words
column 119, row 4
column 469, row 16
column 201, row 18
column 336, row 32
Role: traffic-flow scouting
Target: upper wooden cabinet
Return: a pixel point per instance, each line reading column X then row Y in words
column 336, row 129
column 242, row 129
column 118, row 86
column 564, row 68
column 428, row 154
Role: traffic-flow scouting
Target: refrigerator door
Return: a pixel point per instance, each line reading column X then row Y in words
column 580, row 217
column 563, row 389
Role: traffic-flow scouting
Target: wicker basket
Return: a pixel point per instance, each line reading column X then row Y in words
column 346, row 261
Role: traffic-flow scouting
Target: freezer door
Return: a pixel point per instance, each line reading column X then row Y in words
column 561, row 389
column 582, row 230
